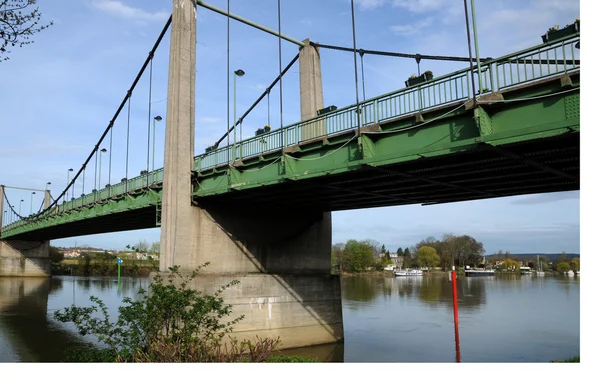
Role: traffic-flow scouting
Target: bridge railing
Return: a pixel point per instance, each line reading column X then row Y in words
column 525, row 66
column 550, row 59
column 560, row 56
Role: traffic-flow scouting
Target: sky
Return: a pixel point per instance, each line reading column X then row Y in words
column 59, row 93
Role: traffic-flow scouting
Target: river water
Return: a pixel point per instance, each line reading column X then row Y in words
column 386, row 319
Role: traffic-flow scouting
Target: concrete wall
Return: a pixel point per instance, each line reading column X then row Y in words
column 25, row 258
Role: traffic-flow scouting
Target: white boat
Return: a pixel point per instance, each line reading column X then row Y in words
column 479, row 272
column 408, row 272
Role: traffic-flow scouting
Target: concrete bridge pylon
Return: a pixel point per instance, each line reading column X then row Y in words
column 281, row 258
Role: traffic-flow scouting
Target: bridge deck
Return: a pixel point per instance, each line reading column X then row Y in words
column 466, row 164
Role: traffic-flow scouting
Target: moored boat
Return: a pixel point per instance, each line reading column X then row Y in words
column 408, row 272
column 479, row 272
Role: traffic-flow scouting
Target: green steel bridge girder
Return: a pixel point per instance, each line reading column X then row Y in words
column 122, row 204
column 530, row 113
column 534, row 111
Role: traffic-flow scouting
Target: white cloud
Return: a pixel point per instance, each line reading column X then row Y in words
column 420, row 6
column 410, row 29
column 370, row 4
column 116, row 8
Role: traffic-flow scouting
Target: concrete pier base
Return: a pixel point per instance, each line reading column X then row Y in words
column 300, row 310
column 283, row 263
column 25, row 258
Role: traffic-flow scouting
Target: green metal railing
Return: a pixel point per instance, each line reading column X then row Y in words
column 560, row 56
column 552, row 58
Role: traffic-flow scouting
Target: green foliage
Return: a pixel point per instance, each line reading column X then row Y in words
column 574, row 359
column 563, row 267
column 290, row 359
column 511, row 265
column 428, row 257
column 170, row 318
column 575, row 264
column 358, row 256
column 90, row 355
column 56, row 255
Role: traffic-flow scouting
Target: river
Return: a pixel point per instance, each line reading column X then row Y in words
column 386, row 319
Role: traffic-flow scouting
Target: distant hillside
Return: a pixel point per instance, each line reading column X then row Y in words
column 533, row 256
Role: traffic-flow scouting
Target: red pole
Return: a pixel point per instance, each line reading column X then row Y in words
column 455, row 300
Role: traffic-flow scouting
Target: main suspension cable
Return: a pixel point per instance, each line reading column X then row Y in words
column 111, row 123
column 396, row 54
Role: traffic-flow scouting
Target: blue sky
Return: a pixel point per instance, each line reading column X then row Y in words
column 59, row 93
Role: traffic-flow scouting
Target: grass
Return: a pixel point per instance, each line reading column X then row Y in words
column 574, row 359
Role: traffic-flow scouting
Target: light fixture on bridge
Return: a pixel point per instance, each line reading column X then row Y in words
column 156, row 118
column 31, row 204
column 240, row 73
column 68, row 180
column 103, row 150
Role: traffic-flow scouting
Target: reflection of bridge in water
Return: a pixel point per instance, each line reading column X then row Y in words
column 28, row 331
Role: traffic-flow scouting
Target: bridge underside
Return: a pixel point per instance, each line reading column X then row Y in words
column 526, row 167
column 139, row 218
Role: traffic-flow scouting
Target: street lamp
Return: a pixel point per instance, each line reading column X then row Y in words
column 236, row 73
column 31, row 204
column 156, row 118
column 20, row 203
column 103, row 150
column 68, row 179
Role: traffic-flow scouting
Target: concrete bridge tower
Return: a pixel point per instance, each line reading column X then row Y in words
column 281, row 258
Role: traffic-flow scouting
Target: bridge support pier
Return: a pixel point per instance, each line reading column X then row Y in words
column 20, row 258
column 25, row 258
column 282, row 259
column 283, row 263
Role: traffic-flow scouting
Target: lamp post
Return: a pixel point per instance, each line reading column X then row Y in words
column 68, row 179
column 236, row 73
column 5, row 219
column 476, row 44
column 31, row 204
column 103, row 150
column 156, row 118
column 20, row 204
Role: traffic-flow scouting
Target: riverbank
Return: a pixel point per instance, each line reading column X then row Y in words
column 95, row 267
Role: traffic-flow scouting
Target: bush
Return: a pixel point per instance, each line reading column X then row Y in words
column 169, row 324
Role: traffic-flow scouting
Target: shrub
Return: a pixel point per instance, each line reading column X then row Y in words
column 170, row 323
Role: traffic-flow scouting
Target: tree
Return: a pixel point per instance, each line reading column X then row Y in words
column 574, row 264
column 511, row 265
column 428, row 257
column 155, row 248
column 337, row 255
column 563, row 267
column 465, row 249
column 56, row 255
column 18, row 24
column 358, row 256
column 142, row 246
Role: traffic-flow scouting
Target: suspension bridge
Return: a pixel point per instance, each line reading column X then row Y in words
column 260, row 207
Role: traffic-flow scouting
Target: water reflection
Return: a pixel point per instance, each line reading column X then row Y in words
column 28, row 331
column 431, row 290
column 24, row 326
column 399, row 319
